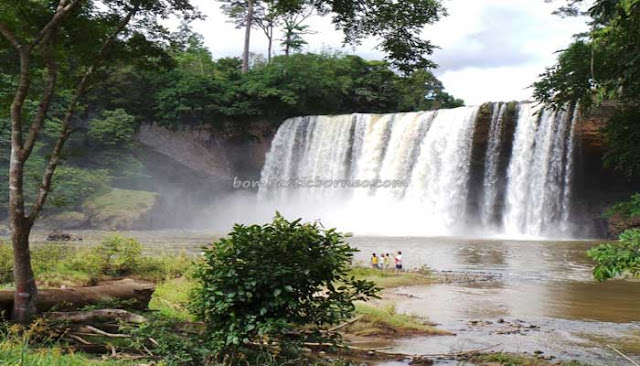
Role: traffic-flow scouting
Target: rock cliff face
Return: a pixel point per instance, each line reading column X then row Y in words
column 204, row 151
column 193, row 169
column 192, row 166
column 197, row 149
column 598, row 187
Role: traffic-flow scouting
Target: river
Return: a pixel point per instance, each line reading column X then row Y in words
column 543, row 298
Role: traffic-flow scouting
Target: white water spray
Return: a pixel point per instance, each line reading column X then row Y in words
column 432, row 152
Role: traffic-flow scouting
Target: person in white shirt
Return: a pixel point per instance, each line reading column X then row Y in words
column 399, row 261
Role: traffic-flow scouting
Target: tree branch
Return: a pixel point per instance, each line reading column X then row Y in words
column 49, row 90
column 24, row 84
column 62, row 10
column 54, row 160
column 6, row 32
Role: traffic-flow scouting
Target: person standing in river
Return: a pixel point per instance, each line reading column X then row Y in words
column 399, row 261
column 386, row 261
column 374, row 261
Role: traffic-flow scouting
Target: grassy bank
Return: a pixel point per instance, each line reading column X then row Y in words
column 63, row 264
column 384, row 322
column 390, row 278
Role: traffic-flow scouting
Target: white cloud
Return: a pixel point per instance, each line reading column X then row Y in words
column 489, row 49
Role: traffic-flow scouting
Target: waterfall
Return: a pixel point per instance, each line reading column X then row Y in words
column 568, row 174
column 492, row 161
column 411, row 173
column 538, row 172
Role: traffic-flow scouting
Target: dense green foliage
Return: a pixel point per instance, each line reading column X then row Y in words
column 263, row 281
column 603, row 66
column 187, row 87
column 618, row 259
column 301, row 84
column 627, row 209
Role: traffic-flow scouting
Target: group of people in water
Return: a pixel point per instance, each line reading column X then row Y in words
column 383, row 262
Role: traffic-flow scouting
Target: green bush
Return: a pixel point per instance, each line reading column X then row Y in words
column 114, row 128
column 618, row 259
column 6, row 263
column 46, row 258
column 55, row 264
column 118, row 256
column 262, row 281
column 165, row 267
column 627, row 209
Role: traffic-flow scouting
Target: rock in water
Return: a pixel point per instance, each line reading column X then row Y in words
column 60, row 236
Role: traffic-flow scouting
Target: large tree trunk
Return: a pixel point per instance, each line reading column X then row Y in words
column 247, row 38
column 24, row 305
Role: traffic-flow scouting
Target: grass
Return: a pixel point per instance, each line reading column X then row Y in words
column 16, row 354
column 390, row 279
column 120, row 208
column 57, row 264
column 171, row 297
column 386, row 322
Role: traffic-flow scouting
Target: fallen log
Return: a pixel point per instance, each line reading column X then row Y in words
column 136, row 294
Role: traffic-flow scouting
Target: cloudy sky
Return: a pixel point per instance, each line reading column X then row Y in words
column 490, row 50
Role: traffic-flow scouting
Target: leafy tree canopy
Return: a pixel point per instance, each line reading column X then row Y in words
column 398, row 24
column 602, row 65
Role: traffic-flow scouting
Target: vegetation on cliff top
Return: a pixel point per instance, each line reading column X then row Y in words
column 600, row 66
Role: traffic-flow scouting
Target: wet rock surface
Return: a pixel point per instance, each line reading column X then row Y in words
column 502, row 326
column 464, row 277
column 62, row 236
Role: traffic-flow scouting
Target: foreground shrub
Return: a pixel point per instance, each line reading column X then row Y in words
column 618, row 259
column 6, row 263
column 118, row 256
column 263, row 281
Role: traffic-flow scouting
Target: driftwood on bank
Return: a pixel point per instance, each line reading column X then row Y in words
column 623, row 355
column 415, row 359
column 136, row 294
column 96, row 315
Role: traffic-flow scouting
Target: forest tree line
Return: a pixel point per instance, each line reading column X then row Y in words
column 179, row 84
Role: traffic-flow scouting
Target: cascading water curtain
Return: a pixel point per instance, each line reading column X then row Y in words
column 431, row 153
